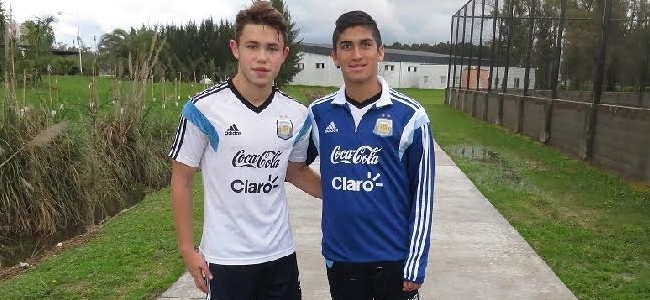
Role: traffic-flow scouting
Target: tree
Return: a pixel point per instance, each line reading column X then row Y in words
column 192, row 50
column 544, row 48
column 38, row 36
column 290, row 67
column 120, row 48
column 3, row 28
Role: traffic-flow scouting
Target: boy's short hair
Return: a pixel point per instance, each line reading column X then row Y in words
column 355, row 18
column 261, row 13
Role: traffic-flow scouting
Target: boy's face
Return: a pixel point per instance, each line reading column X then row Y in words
column 260, row 52
column 357, row 53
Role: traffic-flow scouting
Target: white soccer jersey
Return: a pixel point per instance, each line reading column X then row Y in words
column 243, row 152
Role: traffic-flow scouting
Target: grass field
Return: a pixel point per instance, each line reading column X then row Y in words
column 591, row 227
column 70, row 95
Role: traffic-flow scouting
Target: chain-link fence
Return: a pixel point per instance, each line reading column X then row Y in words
column 554, row 48
column 572, row 74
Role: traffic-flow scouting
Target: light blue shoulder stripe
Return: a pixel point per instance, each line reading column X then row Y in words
column 314, row 131
column 305, row 128
column 421, row 121
column 194, row 115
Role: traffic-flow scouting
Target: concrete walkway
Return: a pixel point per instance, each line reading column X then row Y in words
column 475, row 253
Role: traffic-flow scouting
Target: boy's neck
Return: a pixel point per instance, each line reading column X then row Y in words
column 251, row 93
column 363, row 91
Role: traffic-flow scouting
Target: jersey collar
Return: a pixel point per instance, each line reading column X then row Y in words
column 384, row 100
column 256, row 109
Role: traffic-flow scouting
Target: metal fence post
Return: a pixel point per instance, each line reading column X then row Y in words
column 494, row 43
column 463, row 44
column 531, row 38
column 452, row 45
column 456, row 54
column 511, row 13
column 471, row 45
column 529, row 49
column 548, row 108
column 480, row 47
column 598, row 85
column 558, row 50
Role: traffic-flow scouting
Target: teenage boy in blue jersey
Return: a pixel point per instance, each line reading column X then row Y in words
column 377, row 170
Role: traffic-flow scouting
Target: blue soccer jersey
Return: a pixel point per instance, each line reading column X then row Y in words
column 377, row 175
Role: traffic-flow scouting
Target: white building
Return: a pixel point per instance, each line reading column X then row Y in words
column 400, row 68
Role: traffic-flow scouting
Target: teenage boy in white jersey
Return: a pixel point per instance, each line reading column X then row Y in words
column 247, row 138
column 377, row 170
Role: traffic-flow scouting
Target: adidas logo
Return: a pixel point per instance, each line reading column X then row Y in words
column 233, row 130
column 331, row 128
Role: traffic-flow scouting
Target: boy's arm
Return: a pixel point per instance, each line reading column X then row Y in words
column 421, row 167
column 305, row 178
column 181, row 194
column 181, row 197
column 304, row 152
column 193, row 136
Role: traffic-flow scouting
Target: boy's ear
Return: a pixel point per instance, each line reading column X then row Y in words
column 333, row 56
column 234, row 48
column 285, row 52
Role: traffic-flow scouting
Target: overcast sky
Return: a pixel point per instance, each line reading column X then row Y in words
column 405, row 21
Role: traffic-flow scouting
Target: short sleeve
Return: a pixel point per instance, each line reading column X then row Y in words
column 189, row 144
column 299, row 152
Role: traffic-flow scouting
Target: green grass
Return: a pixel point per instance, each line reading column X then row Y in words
column 70, row 95
column 132, row 256
column 591, row 227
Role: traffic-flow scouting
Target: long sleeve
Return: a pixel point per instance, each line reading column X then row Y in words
column 421, row 168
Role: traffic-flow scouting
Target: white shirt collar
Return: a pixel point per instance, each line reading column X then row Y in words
column 384, row 100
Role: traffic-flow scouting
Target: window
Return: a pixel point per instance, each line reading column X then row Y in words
column 443, row 79
column 320, row 65
column 516, row 83
column 426, row 79
column 389, row 67
column 413, row 69
column 301, row 66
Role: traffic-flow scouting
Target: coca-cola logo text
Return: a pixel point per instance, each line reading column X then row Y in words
column 265, row 160
column 362, row 155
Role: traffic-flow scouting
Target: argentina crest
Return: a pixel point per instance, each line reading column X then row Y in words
column 384, row 127
column 285, row 128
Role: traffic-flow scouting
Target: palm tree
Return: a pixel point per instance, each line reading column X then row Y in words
column 118, row 47
column 114, row 48
column 38, row 36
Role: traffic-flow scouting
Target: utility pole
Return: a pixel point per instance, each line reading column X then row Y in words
column 81, row 66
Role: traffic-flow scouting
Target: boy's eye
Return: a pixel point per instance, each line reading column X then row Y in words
column 251, row 46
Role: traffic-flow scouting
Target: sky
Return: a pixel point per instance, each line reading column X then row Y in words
column 405, row 21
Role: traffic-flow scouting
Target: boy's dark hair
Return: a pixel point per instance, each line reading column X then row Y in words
column 261, row 13
column 355, row 18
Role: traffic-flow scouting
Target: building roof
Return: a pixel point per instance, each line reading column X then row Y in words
column 393, row 55
column 54, row 51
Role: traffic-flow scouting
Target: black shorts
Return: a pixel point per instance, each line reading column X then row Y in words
column 368, row 281
column 274, row 280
